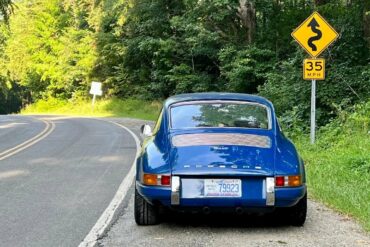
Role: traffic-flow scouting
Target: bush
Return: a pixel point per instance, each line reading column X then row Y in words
column 338, row 165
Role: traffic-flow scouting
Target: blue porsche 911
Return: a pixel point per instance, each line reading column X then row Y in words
column 212, row 152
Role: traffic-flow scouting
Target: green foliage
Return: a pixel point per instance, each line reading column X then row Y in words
column 10, row 96
column 151, row 49
column 347, row 81
column 196, row 46
column 338, row 165
column 244, row 70
column 114, row 107
column 45, row 52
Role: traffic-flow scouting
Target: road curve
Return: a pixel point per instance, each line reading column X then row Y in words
column 53, row 192
column 15, row 130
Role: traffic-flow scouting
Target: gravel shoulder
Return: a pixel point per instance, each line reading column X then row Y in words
column 323, row 228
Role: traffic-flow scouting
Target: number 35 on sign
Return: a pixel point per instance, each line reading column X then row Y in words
column 314, row 69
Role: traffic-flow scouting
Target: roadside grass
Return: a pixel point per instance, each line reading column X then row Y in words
column 131, row 108
column 338, row 165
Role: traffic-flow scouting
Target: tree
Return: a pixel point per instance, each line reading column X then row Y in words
column 156, row 48
column 6, row 8
column 56, row 55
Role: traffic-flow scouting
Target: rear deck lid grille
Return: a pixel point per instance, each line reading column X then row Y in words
column 214, row 139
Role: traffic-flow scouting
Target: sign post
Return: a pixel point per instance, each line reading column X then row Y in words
column 313, row 69
column 95, row 90
column 314, row 35
column 313, row 112
column 93, row 100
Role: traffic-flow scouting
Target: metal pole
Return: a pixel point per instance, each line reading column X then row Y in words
column 93, row 101
column 313, row 111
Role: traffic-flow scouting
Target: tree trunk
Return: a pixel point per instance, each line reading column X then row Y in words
column 247, row 15
column 367, row 27
column 367, row 21
column 6, row 8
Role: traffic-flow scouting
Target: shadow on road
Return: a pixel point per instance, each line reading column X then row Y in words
column 221, row 220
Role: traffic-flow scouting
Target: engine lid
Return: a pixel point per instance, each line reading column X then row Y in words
column 222, row 154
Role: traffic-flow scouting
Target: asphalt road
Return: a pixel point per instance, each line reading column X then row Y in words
column 53, row 192
column 62, row 173
column 17, row 129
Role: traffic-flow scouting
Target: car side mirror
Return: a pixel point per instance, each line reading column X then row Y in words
column 146, row 130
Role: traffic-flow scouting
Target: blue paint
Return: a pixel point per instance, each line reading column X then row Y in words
column 251, row 164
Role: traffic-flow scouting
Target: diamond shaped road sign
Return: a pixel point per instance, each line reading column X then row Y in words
column 315, row 34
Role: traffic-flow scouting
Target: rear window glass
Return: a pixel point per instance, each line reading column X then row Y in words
column 219, row 115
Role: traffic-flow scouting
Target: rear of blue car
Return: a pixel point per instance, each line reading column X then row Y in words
column 212, row 155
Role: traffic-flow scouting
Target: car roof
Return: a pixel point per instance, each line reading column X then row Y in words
column 216, row 96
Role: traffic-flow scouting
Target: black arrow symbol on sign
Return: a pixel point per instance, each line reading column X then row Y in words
column 314, row 25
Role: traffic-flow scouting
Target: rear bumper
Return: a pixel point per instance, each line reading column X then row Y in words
column 284, row 197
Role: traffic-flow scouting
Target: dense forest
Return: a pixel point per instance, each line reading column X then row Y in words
column 151, row 49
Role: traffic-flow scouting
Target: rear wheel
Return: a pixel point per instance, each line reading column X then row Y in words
column 297, row 213
column 145, row 213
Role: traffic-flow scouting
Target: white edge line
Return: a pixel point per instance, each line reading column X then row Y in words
column 106, row 218
column 29, row 142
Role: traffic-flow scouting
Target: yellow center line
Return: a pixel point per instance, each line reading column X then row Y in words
column 50, row 126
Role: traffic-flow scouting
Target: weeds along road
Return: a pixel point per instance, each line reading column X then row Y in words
column 61, row 177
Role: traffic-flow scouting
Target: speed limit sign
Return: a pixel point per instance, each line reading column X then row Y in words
column 314, row 69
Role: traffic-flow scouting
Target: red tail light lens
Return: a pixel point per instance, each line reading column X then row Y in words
column 279, row 181
column 166, row 180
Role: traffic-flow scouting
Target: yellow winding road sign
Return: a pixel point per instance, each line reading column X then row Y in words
column 315, row 34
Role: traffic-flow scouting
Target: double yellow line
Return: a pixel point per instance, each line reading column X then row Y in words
column 49, row 127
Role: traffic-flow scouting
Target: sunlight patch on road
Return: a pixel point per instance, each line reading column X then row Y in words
column 6, row 126
column 110, row 158
column 44, row 161
column 13, row 173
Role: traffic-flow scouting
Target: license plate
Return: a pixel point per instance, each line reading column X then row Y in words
column 222, row 188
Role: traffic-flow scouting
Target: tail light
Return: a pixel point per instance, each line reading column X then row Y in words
column 165, row 180
column 279, row 181
column 288, row 181
column 157, row 179
column 150, row 179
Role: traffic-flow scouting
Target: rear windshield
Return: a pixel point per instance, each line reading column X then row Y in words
column 219, row 115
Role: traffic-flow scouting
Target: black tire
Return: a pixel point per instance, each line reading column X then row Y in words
column 145, row 213
column 297, row 213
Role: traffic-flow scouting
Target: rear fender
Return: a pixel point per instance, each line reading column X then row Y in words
column 153, row 159
column 288, row 161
